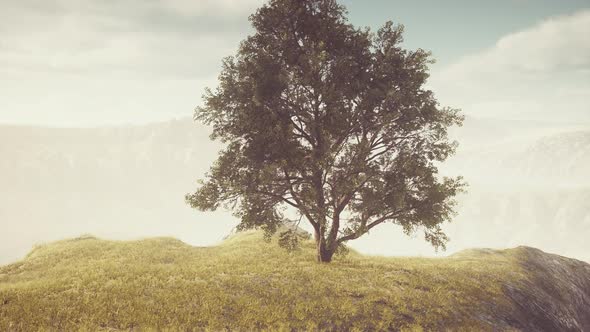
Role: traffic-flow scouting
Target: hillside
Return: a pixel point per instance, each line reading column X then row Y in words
column 245, row 283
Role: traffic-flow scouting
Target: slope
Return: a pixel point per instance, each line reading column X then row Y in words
column 245, row 283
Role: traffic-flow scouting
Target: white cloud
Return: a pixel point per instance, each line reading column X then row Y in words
column 217, row 7
column 543, row 72
column 87, row 62
column 560, row 43
column 166, row 37
column 556, row 44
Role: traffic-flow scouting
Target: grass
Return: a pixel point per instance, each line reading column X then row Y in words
column 247, row 284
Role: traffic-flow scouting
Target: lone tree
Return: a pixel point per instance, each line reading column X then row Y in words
column 331, row 122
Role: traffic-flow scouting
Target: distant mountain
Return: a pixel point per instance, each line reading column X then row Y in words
column 526, row 187
column 557, row 220
column 113, row 181
column 532, row 191
column 477, row 133
column 560, row 159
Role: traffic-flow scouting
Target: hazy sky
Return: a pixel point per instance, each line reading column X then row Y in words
column 91, row 62
column 72, row 63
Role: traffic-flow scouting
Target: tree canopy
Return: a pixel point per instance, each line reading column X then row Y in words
column 332, row 122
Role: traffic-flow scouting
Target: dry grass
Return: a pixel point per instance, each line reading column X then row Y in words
column 246, row 284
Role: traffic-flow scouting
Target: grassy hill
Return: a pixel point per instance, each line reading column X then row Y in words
column 248, row 284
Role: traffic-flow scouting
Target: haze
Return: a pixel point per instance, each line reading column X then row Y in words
column 96, row 136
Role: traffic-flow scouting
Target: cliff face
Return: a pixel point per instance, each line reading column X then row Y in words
column 554, row 297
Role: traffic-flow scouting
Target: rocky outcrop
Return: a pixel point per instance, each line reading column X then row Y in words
column 555, row 295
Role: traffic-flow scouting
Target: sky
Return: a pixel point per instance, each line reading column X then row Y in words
column 507, row 64
column 85, row 63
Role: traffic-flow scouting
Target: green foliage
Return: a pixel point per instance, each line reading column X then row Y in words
column 289, row 240
column 247, row 284
column 342, row 250
column 331, row 121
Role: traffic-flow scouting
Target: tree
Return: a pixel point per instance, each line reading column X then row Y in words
column 332, row 122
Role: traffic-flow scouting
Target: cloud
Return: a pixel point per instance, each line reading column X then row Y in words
column 172, row 38
column 87, row 62
column 542, row 71
column 223, row 7
column 556, row 44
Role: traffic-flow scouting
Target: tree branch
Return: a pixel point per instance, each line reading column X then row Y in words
column 302, row 207
column 364, row 229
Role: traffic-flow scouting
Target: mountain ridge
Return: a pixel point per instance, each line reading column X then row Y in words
column 128, row 181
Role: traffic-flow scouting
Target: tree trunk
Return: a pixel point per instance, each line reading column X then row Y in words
column 324, row 254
